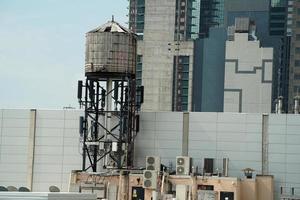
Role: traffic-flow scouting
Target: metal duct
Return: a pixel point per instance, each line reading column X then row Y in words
column 225, row 166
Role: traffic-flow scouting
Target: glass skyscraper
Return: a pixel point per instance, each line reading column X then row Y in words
column 278, row 3
column 211, row 15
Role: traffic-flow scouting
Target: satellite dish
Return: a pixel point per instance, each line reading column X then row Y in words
column 3, row 189
column 24, row 189
column 54, row 188
column 12, row 188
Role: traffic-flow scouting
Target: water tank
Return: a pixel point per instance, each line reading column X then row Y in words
column 110, row 50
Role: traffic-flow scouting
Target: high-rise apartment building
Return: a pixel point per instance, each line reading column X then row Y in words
column 284, row 24
column 280, row 31
column 181, row 50
column 294, row 70
column 211, row 15
column 167, row 31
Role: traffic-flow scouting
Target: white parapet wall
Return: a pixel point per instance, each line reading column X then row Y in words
column 268, row 142
column 56, row 148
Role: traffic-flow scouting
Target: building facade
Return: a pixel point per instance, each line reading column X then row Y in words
column 294, row 67
column 178, row 39
column 248, row 70
column 280, row 28
column 267, row 143
column 167, row 32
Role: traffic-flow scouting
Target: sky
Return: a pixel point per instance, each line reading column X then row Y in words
column 42, row 48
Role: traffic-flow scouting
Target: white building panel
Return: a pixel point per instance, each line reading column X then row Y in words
column 49, row 123
column 219, row 135
column 15, row 122
column 49, row 132
column 248, row 76
column 16, row 113
column 51, row 114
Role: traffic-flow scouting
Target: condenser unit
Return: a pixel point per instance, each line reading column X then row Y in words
column 153, row 163
column 150, row 179
column 183, row 165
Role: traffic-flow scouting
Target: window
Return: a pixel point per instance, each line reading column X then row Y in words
column 184, row 59
column 140, row 18
column 185, row 76
column 140, row 26
column 141, row 2
column 298, row 11
column 139, row 67
column 185, row 68
column 297, row 37
column 184, row 99
column 276, row 32
column 184, row 107
column 297, row 76
column 296, row 89
column 297, row 51
column 185, row 91
column 139, row 74
column 141, row 10
column 277, row 3
column 298, row 24
column 277, row 25
column 138, row 82
column 180, row 96
column 139, row 59
column 277, row 17
column 297, row 63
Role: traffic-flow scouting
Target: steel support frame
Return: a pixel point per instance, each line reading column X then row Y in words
column 95, row 95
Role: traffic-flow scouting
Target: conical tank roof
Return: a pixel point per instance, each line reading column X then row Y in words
column 111, row 26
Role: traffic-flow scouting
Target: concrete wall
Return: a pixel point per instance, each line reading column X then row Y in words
column 56, row 148
column 157, row 60
column 284, row 151
column 160, row 135
column 248, row 76
column 158, row 49
column 14, row 132
column 211, row 135
column 237, row 136
column 55, row 153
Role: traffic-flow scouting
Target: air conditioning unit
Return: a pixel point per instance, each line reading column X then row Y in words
column 150, row 179
column 153, row 163
column 183, row 165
